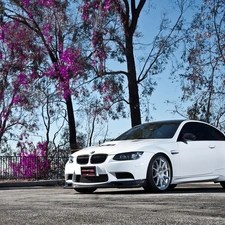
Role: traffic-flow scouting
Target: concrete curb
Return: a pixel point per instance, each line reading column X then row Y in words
column 32, row 183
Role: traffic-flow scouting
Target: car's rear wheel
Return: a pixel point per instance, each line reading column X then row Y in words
column 85, row 190
column 159, row 174
column 222, row 183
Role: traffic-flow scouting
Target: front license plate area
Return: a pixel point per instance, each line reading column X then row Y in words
column 88, row 171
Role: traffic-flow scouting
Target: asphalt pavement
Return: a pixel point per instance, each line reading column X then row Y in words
column 187, row 204
column 21, row 183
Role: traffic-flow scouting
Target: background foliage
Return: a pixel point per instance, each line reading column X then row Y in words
column 68, row 67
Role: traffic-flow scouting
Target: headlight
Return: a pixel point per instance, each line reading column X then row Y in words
column 128, row 156
column 71, row 159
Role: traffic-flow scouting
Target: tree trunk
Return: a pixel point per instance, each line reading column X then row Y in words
column 132, row 84
column 92, row 131
column 72, row 126
column 129, row 26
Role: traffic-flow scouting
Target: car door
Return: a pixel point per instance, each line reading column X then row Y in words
column 197, row 157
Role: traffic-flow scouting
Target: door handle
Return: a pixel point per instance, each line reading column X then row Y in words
column 174, row 152
column 212, row 146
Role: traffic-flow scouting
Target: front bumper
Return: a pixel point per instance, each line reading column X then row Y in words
column 110, row 173
column 115, row 184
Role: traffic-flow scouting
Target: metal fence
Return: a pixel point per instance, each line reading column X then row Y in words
column 32, row 168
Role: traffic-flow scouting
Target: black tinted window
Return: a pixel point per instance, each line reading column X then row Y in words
column 150, row 131
column 201, row 131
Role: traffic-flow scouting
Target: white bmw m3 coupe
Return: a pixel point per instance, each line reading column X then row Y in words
column 156, row 156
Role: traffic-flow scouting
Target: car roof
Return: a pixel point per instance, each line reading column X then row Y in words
column 179, row 121
column 166, row 121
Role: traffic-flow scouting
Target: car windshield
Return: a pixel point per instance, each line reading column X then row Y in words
column 154, row 130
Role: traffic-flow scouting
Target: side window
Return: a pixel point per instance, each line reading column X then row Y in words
column 192, row 128
column 202, row 132
column 214, row 134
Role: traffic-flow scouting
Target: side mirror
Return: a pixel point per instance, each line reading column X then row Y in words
column 189, row 137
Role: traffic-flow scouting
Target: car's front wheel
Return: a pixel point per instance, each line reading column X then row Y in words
column 159, row 174
column 85, row 190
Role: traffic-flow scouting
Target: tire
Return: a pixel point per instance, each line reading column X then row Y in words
column 85, row 190
column 159, row 174
column 222, row 183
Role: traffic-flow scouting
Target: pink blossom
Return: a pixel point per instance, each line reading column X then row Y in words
column 46, row 3
column 22, row 79
column 33, row 75
column 26, row 2
column 16, row 99
column 109, row 98
column 33, row 163
column 107, row 5
column 66, row 94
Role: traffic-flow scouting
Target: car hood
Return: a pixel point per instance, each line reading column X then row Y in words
column 114, row 147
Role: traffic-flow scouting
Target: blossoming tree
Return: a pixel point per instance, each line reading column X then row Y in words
column 51, row 47
column 16, row 108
